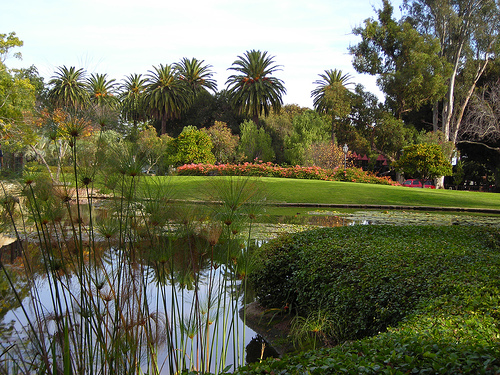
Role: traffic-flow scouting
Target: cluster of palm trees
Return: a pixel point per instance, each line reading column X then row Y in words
column 166, row 91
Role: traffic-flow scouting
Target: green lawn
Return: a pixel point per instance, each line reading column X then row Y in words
column 281, row 190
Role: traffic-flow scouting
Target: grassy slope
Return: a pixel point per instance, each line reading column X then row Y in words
column 326, row 192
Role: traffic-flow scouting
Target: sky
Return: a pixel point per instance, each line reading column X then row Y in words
column 123, row 37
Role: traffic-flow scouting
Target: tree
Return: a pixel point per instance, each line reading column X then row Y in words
column 253, row 90
column 410, row 71
column 193, row 146
column 197, row 76
column 132, row 96
column 331, row 88
column 468, row 33
column 390, row 136
column 424, row 161
column 309, row 128
column 103, row 100
column 279, row 125
column 166, row 95
column 481, row 126
column 7, row 42
column 68, row 89
column 17, row 96
column 224, row 142
column 102, row 91
column 255, row 143
column 331, row 95
column 154, row 149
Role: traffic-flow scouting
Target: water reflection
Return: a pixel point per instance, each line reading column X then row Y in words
column 180, row 294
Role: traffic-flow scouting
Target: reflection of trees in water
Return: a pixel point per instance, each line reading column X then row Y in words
column 306, row 219
column 11, row 281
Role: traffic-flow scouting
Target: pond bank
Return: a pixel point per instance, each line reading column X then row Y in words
column 272, row 324
column 389, row 207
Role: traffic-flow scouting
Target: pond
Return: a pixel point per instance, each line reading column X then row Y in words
column 278, row 220
column 155, row 302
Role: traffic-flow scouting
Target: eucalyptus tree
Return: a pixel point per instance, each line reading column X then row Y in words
column 132, row 94
column 252, row 89
column 407, row 64
column 196, row 75
column 166, row 96
column 68, row 88
column 469, row 35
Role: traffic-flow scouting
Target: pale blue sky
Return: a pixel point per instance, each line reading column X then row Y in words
column 121, row 37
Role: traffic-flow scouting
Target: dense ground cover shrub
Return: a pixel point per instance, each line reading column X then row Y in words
column 434, row 292
column 370, row 277
column 273, row 170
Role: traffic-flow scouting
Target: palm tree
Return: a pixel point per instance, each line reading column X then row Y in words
column 102, row 91
column 132, row 98
column 331, row 81
column 252, row 90
column 196, row 75
column 331, row 95
column 68, row 88
column 103, row 100
column 166, row 95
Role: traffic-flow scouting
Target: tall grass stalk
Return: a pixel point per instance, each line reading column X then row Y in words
column 133, row 284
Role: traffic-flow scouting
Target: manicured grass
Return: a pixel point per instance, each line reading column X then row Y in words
column 282, row 190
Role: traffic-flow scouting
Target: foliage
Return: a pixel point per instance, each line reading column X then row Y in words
column 389, row 353
column 223, row 141
column 255, row 143
column 410, row 70
column 121, row 289
column 272, row 170
column 331, row 95
column 391, row 136
column 68, row 88
column 424, row 161
column 7, row 42
column 328, row 155
column 469, row 38
column 279, row 124
column 434, row 289
column 359, row 175
column 196, row 75
column 438, row 138
column 253, row 90
column 166, row 96
column 192, row 146
column 309, row 128
column 17, row 96
column 158, row 151
column 132, row 92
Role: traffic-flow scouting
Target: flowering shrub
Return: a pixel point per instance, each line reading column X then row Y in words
column 273, row 170
column 359, row 175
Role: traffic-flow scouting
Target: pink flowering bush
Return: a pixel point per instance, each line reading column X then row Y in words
column 273, row 170
column 359, row 175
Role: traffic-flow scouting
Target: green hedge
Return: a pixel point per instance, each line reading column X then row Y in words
column 437, row 287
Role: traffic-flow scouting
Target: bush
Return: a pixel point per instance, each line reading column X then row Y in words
column 434, row 292
column 193, row 146
column 255, row 143
column 272, row 170
column 370, row 277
